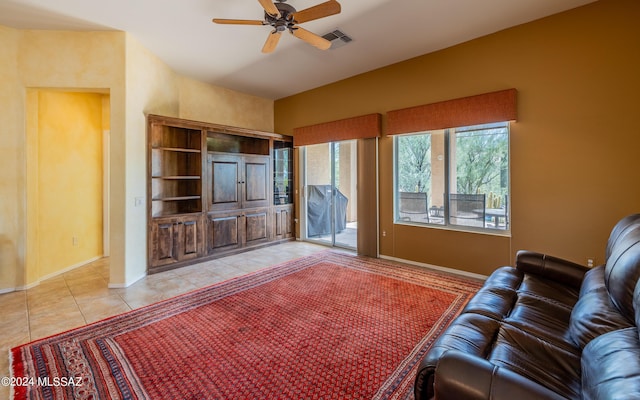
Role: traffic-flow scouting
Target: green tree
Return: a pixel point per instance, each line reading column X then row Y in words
column 414, row 161
column 482, row 161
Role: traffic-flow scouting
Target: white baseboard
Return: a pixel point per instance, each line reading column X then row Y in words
column 437, row 268
column 53, row 275
column 70, row 268
column 126, row 284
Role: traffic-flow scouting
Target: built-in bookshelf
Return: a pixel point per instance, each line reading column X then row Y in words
column 176, row 170
column 214, row 190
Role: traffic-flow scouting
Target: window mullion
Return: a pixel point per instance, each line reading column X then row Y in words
column 447, row 175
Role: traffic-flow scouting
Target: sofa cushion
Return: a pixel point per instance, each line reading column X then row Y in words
column 611, row 366
column 594, row 314
column 619, row 229
column 470, row 333
column 543, row 319
column 497, row 295
column 622, row 270
column 530, row 302
column 551, row 366
column 593, row 280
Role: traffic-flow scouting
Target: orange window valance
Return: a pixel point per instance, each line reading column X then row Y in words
column 473, row 110
column 362, row 127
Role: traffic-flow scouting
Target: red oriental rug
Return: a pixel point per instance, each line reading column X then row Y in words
column 328, row 326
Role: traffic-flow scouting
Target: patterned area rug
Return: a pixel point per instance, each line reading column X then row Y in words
column 328, row 326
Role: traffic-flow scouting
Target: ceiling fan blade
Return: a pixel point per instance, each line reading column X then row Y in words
column 311, row 38
column 238, row 21
column 319, row 11
column 270, row 8
column 272, row 42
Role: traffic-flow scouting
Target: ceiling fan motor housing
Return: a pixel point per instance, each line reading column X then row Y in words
column 286, row 19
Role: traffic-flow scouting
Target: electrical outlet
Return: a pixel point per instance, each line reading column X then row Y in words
column 384, row 233
column 590, row 262
column 74, row 241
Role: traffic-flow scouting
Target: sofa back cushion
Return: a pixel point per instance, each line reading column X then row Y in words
column 594, row 314
column 622, row 268
column 619, row 229
column 611, row 366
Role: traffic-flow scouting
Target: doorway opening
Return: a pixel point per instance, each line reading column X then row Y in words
column 67, row 180
column 330, row 182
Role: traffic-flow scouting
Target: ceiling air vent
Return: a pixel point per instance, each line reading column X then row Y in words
column 337, row 38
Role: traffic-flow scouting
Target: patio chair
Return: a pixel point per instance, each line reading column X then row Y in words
column 467, row 209
column 413, row 206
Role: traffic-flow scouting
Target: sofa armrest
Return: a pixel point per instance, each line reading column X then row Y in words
column 554, row 268
column 463, row 376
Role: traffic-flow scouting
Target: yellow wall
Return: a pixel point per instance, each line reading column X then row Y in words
column 574, row 148
column 138, row 83
column 12, row 151
column 69, row 179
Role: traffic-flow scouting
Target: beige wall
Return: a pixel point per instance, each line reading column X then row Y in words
column 574, row 148
column 151, row 88
column 137, row 83
column 203, row 102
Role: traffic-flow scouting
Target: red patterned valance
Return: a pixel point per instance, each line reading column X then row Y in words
column 473, row 110
column 365, row 126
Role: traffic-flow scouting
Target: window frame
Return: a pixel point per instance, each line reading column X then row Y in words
column 449, row 135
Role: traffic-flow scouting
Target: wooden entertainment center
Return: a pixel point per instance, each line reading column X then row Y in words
column 215, row 190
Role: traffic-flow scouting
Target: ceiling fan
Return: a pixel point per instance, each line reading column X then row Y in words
column 284, row 17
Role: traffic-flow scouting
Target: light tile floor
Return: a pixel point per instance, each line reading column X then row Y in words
column 82, row 296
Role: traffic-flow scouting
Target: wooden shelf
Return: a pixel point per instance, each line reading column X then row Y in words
column 178, row 149
column 177, row 177
column 177, row 198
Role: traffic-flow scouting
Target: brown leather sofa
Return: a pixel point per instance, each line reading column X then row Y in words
column 546, row 329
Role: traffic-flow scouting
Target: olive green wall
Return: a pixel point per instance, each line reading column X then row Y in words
column 574, row 148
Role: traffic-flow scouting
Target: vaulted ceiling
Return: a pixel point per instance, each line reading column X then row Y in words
column 182, row 35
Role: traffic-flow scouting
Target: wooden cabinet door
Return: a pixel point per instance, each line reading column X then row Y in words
column 190, row 237
column 283, row 222
column 163, row 242
column 175, row 239
column 255, row 224
column 255, row 181
column 224, row 231
column 225, row 182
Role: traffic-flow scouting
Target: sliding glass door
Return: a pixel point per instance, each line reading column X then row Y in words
column 330, row 211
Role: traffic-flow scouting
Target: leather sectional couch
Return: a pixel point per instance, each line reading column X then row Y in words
column 546, row 329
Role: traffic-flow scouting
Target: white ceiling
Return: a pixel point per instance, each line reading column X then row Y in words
column 182, row 35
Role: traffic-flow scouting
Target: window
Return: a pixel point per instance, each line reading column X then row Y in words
column 457, row 178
